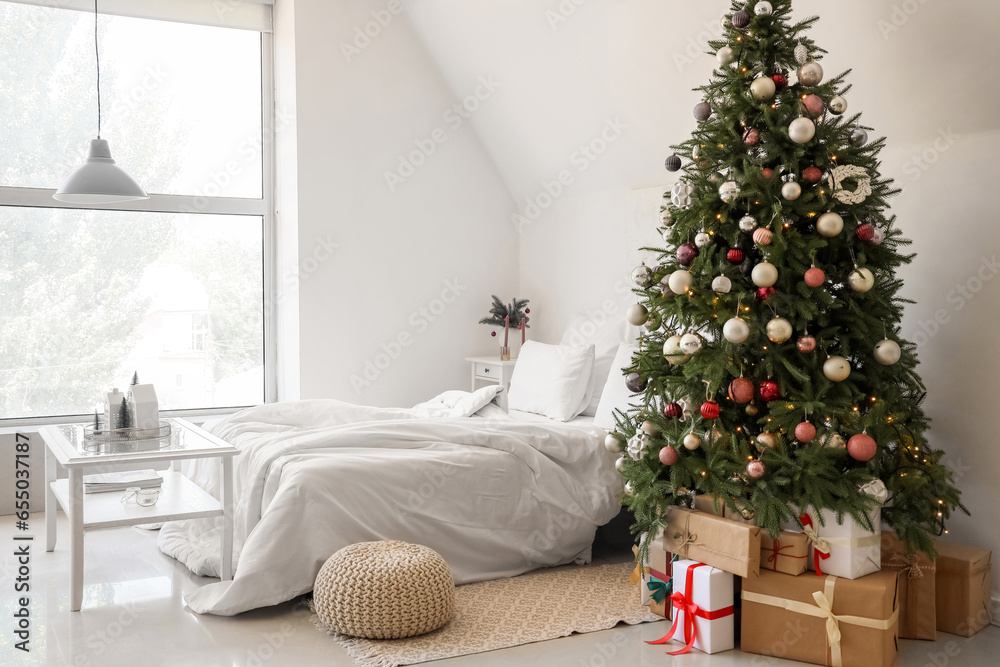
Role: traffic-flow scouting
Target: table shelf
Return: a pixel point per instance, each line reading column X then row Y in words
column 180, row 498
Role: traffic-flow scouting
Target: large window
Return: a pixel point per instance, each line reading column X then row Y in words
column 171, row 287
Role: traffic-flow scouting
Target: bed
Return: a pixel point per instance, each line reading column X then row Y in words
column 496, row 493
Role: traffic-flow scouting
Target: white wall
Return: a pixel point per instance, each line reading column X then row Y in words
column 916, row 76
column 392, row 281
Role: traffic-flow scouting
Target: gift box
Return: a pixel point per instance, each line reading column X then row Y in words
column 713, row 540
column 703, row 609
column 640, row 575
column 822, row 620
column 848, row 549
column 963, row 580
column 706, row 503
column 654, row 573
column 787, row 553
column 917, row 608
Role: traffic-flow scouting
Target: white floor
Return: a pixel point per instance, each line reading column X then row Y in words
column 133, row 615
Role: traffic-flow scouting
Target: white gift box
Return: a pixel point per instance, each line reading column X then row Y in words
column 712, row 591
column 854, row 550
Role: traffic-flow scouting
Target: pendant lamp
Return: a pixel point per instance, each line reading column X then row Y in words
column 99, row 180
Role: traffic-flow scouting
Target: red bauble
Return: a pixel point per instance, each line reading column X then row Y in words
column 769, row 391
column 805, row 432
column 815, row 277
column 686, row 254
column 527, row 310
column 865, row 232
column 812, row 175
column 806, row 344
column 767, row 172
column 813, row 105
column 741, row 390
column 493, row 333
column 668, row 456
column 756, row 469
column 735, row 256
column 780, row 81
column 861, row 447
column 710, row 410
column 765, row 293
column 672, row 411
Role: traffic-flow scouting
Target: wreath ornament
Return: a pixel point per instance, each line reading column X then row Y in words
column 842, row 173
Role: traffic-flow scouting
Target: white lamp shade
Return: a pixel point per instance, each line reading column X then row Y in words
column 99, row 180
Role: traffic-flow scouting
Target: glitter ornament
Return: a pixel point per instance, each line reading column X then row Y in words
column 812, row 175
column 805, row 432
column 751, row 137
column 741, row 390
column 813, row 104
column 815, row 277
column 765, row 293
column 861, row 447
column 669, row 456
column 769, row 391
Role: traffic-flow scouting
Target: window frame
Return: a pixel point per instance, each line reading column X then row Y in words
column 12, row 196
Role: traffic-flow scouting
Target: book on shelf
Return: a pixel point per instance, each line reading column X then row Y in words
column 119, row 481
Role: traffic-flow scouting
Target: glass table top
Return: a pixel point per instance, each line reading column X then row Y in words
column 182, row 438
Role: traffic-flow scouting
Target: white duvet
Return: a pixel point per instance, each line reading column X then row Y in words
column 493, row 495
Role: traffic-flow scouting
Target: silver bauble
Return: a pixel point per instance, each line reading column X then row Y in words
column 672, row 351
column 613, row 443
column 763, row 8
column 702, row 239
column 858, row 138
column 665, row 218
column 791, row 190
column 729, row 191
column 838, row 105
column 837, row 369
column 887, row 352
column 810, row 74
column 830, row 224
column 764, row 274
column 802, row 130
column 690, row 343
column 736, row 330
column 680, row 194
column 679, row 281
column 879, row 237
column 801, row 54
column 722, row 285
column 725, row 56
column 637, row 314
column 692, row 442
column 642, row 276
column 748, row 223
column 779, row 330
column 762, row 88
column 861, row 280
column 835, row 441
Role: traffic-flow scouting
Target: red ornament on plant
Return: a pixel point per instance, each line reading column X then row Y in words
column 769, row 391
column 687, row 253
column 765, row 293
column 668, row 456
column 865, row 232
column 812, row 175
column 861, row 447
column 735, row 256
column 493, row 333
column 741, row 390
column 710, row 410
column 780, row 81
column 815, row 277
column 672, row 411
column 805, row 432
column 767, row 172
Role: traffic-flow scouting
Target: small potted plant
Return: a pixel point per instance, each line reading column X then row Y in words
column 510, row 315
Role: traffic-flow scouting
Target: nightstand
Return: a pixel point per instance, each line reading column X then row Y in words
column 490, row 370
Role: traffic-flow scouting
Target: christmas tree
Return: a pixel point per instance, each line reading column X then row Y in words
column 771, row 374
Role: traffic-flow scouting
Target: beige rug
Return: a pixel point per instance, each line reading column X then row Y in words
column 498, row 614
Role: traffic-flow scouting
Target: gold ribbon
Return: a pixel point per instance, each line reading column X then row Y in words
column 908, row 564
column 824, row 609
column 820, row 544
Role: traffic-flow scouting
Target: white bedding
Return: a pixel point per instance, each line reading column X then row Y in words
column 495, row 495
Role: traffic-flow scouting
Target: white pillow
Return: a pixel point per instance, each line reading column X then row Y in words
column 606, row 340
column 615, row 395
column 551, row 380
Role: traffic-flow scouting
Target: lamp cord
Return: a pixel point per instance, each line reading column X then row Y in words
column 97, row 54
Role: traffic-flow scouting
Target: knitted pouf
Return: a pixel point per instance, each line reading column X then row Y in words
column 384, row 590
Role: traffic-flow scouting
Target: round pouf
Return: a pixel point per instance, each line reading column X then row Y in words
column 384, row 590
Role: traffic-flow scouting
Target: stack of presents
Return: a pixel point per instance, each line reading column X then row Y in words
column 821, row 592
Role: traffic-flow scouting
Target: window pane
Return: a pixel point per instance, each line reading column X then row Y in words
column 89, row 297
column 181, row 104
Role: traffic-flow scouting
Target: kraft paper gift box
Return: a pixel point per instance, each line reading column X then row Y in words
column 917, row 608
column 822, row 620
column 713, row 540
column 703, row 609
column 706, row 503
column 964, row 580
column 787, row 553
column 653, row 575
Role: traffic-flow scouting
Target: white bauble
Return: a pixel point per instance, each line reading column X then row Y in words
column 672, row 351
column 768, row 440
column 620, row 464
column 810, row 74
column 762, row 88
column 879, row 237
column 802, row 130
column 748, row 223
column 722, row 285
column 690, row 343
column 838, row 105
column 725, row 56
column 613, row 443
column 837, row 369
column 702, row 239
column 637, row 314
column 861, row 280
column 779, row 330
column 680, row 194
column 628, row 489
column 691, row 441
column 679, row 281
column 791, row 190
column 729, row 191
column 830, row 224
column 763, row 8
column 736, row 330
column 764, row 274
column 887, row 352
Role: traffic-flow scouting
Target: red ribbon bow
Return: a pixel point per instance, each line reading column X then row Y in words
column 817, row 554
column 685, row 602
column 776, row 550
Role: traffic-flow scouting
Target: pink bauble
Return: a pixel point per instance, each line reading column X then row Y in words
column 805, row 432
column 668, row 456
column 815, row 277
column 861, row 447
column 762, row 236
column 755, row 469
column 741, row 390
column 806, row 344
column 767, row 172
column 813, row 105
